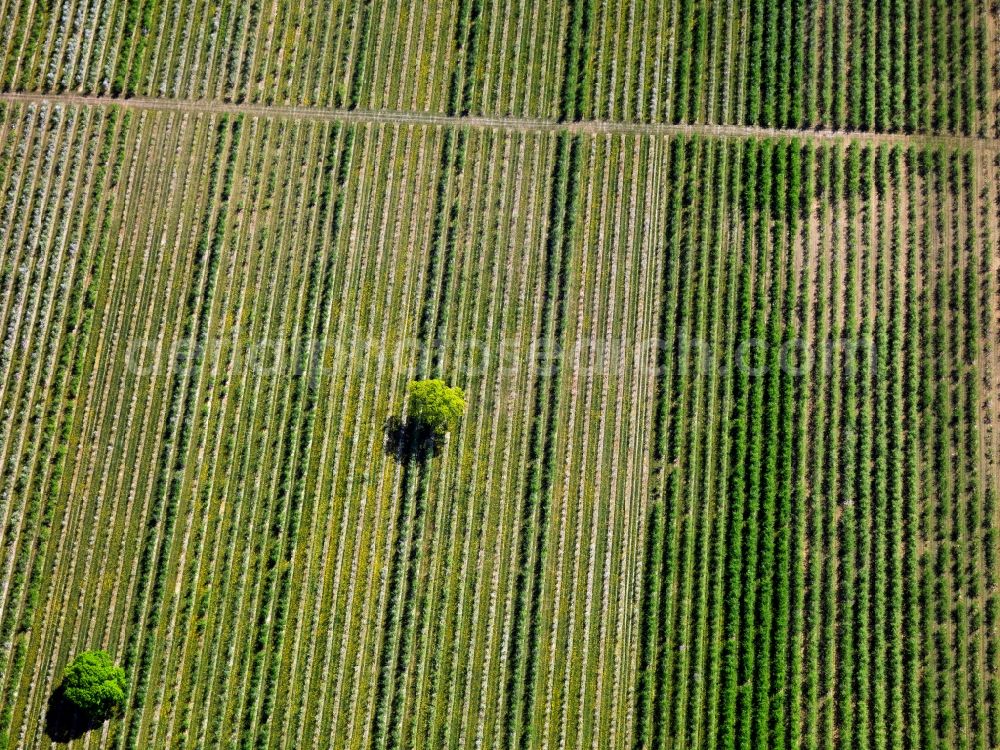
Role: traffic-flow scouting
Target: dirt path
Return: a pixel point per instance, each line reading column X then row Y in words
column 987, row 145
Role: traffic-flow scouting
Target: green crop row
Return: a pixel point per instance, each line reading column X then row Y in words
column 533, row 545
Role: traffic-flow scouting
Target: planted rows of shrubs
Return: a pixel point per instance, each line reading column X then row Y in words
column 822, row 578
column 889, row 511
column 72, row 317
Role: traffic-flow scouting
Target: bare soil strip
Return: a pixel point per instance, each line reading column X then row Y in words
column 972, row 143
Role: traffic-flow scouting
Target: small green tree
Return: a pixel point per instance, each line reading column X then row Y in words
column 434, row 406
column 95, row 686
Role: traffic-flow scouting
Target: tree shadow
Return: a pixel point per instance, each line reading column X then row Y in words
column 63, row 721
column 407, row 441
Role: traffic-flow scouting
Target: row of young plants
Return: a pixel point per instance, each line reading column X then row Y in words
column 680, row 293
column 559, row 615
column 678, row 238
column 95, row 240
column 758, row 201
column 485, row 719
column 911, row 531
column 972, row 444
column 164, row 633
column 938, row 604
column 429, row 669
column 166, row 307
column 404, row 604
column 532, row 555
column 315, row 149
column 153, row 566
column 735, row 481
column 39, row 266
column 662, row 711
column 864, row 496
column 27, row 204
column 40, row 637
column 190, row 604
column 58, row 394
column 39, row 683
column 649, row 670
column 952, row 605
column 758, row 608
column 726, row 331
column 531, row 312
column 801, row 197
column 619, row 481
column 956, row 531
column 272, row 611
column 447, row 687
column 576, row 85
column 687, row 389
column 973, row 712
column 181, row 597
column 855, row 66
column 681, row 385
column 188, row 541
column 357, row 394
column 988, row 327
column 928, row 685
column 336, row 223
column 239, row 658
column 26, row 394
column 890, row 605
column 956, row 548
column 263, row 321
column 508, row 515
column 785, row 648
column 336, row 211
column 32, row 684
column 16, row 268
column 310, row 160
column 408, row 704
column 816, row 217
column 415, row 483
column 854, row 495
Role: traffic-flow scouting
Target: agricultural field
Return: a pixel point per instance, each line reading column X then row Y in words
column 898, row 65
column 720, row 282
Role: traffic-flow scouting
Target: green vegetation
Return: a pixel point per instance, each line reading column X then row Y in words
column 435, row 406
column 94, row 686
column 723, row 468
column 892, row 66
column 824, row 555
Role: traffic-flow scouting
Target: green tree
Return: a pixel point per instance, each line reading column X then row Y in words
column 95, row 686
column 435, row 406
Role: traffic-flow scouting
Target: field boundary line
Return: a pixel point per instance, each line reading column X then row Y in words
column 510, row 124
